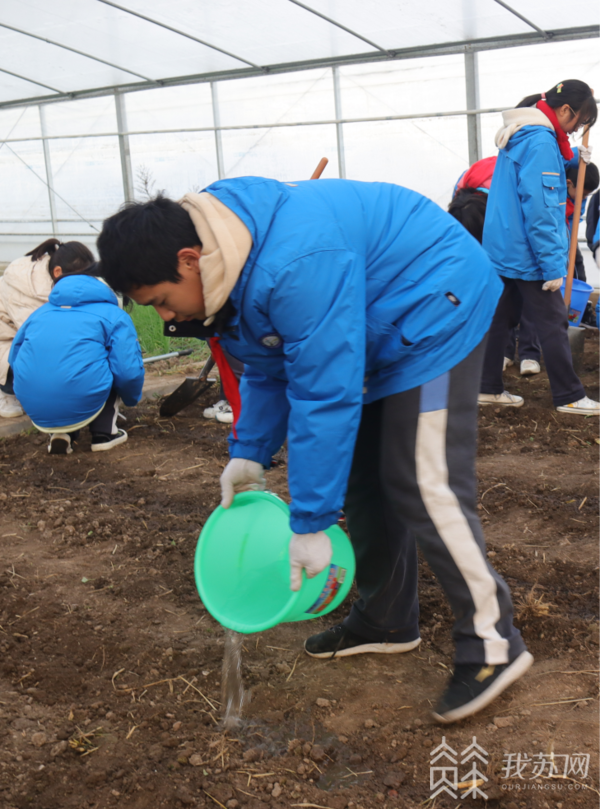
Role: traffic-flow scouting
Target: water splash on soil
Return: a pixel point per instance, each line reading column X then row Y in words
column 233, row 695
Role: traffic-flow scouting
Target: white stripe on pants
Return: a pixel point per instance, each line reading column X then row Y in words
column 453, row 528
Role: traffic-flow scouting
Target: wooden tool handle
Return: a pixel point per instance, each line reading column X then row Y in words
column 576, row 218
column 320, row 168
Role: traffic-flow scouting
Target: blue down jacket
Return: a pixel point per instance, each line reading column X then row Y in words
column 70, row 352
column 525, row 233
column 352, row 292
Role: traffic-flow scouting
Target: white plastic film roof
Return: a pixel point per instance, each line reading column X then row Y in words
column 57, row 49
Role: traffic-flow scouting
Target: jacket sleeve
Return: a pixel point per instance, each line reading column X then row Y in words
column 318, row 308
column 262, row 426
column 540, row 186
column 125, row 360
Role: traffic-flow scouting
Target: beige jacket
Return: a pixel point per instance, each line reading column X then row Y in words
column 24, row 287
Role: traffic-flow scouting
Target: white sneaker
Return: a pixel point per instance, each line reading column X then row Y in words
column 505, row 398
column 585, row 407
column 225, row 414
column 9, row 406
column 530, row 367
column 211, row 412
column 103, row 443
column 507, row 363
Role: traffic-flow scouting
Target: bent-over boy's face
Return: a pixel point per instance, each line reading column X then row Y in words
column 572, row 190
column 177, row 301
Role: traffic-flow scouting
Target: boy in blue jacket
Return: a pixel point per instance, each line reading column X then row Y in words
column 362, row 342
column 73, row 359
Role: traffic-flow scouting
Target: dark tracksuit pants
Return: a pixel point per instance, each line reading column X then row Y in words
column 105, row 422
column 413, row 477
column 529, row 345
column 549, row 315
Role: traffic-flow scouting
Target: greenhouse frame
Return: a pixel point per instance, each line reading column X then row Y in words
column 91, row 117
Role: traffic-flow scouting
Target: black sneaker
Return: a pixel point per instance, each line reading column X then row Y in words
column 60, row 444
column 471, row 688
column 340, row 642
column 101, row 442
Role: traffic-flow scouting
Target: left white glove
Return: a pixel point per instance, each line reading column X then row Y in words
column 241, row 475
column 585, row 153
column 310, row 552
column 552, row 286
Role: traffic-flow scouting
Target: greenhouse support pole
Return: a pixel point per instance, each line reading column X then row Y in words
column 217, row 121
column 339, row 127
column 127, row 174
column 48, row 165
column 473, row 121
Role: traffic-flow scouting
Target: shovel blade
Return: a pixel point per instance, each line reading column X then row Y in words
column 189, row 390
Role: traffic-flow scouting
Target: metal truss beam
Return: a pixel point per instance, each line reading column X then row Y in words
column 179, row 32
column 494, row 43
column 79, row 53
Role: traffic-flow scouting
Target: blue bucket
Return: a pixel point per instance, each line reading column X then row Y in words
column 580, row 295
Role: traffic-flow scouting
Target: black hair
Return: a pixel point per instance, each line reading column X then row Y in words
column 592, row 177
column 74, row 258
column 577, row 94
column 138, row 246
column 468, row 206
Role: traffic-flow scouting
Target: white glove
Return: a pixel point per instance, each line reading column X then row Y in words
column 241, row 475
column 585, row 152
column 552, row 286
column 310, row 552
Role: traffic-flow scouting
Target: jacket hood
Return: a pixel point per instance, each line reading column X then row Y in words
column 226, row 244
column 77, row 290
column 252, row 203
column 517, row 119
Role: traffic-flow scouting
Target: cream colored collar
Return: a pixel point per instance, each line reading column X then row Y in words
column 226, row 244
column 517, row 119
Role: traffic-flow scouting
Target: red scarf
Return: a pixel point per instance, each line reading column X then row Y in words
column 563, row 140
column 570, row 210
column 228, row 379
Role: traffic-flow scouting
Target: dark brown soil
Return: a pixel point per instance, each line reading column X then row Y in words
column 110, row 666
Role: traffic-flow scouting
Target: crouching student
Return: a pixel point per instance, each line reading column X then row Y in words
column 74, row 358
column 24, row 287
column 360, row 312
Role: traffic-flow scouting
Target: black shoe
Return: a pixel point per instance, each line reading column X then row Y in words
column 102, row 442
column 472, row 687
column 60, row 444
column 340, row 642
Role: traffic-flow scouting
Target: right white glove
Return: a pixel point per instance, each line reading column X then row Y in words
column 241, row 475
column 585, row 152
column 310, row 552
column 552, row 286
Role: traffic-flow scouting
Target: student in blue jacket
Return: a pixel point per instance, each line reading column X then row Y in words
column 526, row 237
column 360, row 312
column 73, row 359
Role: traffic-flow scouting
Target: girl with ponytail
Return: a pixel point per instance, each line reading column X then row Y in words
column 525, row 235
column 24, row 287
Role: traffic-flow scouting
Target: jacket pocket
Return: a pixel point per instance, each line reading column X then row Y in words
column 385, row 344
column 551, row 186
